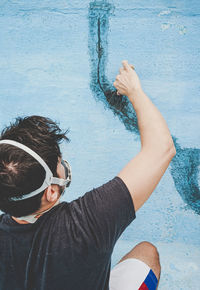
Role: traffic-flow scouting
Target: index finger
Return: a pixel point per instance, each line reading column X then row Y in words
column 126, row 65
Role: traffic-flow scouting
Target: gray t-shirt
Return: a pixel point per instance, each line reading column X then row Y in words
column 69, row 247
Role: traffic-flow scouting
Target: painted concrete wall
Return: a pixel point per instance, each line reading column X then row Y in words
column 59, row 59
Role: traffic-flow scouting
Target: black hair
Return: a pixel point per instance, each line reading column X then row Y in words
column 20, row 173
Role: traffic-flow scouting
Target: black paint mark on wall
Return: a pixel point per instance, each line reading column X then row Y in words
column 184, row 166
column 185, row 173
column 99, row 12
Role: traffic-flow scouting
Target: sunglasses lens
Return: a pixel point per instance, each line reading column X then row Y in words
column 67, row 170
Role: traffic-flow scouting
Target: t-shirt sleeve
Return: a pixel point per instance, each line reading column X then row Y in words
column 106, row 212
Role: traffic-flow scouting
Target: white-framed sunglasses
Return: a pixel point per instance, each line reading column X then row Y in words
column 49, row 179
column 68, row 172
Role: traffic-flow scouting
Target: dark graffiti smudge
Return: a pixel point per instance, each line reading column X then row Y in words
column 184, row 166
column 185, row 173
column 99, row 12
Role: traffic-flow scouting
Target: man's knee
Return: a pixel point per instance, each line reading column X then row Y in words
column 147, row 253
column 147, row 249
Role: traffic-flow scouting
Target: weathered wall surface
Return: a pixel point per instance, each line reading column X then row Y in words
column 60, row 58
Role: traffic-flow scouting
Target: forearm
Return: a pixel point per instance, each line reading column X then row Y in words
column 154, row 132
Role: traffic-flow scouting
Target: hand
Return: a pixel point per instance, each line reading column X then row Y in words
column 127, row 82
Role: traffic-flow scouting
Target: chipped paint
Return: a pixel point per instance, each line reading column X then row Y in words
column 182, row 29
column 164, row 12
column 165, row 26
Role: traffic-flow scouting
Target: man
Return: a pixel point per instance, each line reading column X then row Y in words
column 47, row 245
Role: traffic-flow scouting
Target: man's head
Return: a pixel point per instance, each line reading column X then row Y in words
column 20, row 173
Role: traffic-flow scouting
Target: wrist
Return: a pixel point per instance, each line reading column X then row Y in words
column 134, row 93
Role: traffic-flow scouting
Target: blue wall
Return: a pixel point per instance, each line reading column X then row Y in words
column 59, row 59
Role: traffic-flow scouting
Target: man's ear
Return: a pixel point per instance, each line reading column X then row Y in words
column 52, row 193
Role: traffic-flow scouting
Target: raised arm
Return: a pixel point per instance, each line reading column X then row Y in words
column 142, row 173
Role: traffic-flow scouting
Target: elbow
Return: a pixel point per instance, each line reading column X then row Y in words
column 170, row 148
column 167, row 149
column 171, row 151
column 174, row 151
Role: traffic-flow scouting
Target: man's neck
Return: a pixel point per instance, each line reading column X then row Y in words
column 20, row 221
column 36, row 214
